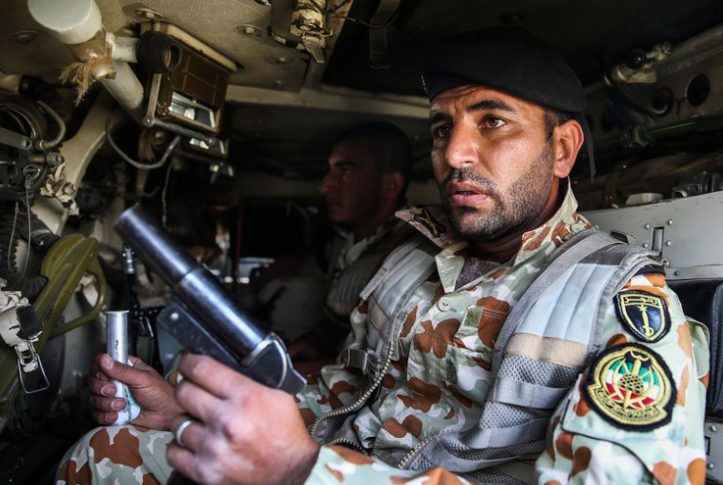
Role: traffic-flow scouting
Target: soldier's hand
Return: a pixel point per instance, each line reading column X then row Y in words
column 150, row 390
column 242, row 433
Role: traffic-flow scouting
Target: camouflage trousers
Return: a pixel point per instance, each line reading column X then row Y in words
column 117, row 455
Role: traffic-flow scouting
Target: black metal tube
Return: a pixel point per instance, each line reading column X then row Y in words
column 201, row 292
column 196, row 287
column 156, row 248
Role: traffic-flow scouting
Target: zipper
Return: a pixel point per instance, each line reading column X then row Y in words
column 350, row 443
column 408, row 457
column 362, row 399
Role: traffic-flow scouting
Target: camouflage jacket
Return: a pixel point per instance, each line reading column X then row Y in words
column 604, row 429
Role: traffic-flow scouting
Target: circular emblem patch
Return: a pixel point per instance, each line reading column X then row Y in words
column 631, row 387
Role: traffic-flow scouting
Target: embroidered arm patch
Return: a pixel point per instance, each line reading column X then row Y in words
column 643, row 314
column 434, row 227
column 631, row 387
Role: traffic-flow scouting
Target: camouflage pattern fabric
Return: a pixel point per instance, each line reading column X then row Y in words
column 447, row 331
column 441, row 380
column 443, row 376
column 125, row 455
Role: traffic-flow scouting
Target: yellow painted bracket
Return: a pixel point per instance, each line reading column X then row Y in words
column 64, row 266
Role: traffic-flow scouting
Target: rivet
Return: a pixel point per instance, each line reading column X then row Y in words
column 148, row 13
column 668, row 243
column 647, row 226
column 677, row 273
column 710, row 466
column 646, row 245
column 670, row 222
column 175, row 317
column 249, row 29
column 713, row 428
column 24, row 37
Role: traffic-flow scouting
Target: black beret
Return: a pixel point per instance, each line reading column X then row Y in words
column 506, row 58
column 512, row 60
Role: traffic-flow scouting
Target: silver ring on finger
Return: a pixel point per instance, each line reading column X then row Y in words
column 179, row 432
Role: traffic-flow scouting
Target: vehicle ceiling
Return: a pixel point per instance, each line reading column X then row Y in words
column 278, row 130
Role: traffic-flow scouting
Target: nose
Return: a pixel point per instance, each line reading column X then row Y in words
column 328, row 183
column 462, row 149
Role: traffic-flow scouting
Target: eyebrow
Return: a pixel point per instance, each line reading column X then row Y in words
column 344, row 164
column 491, row 104
column 485, row 104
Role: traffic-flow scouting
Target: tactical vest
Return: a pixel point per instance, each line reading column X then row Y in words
column 563, row 307
column 343, row 290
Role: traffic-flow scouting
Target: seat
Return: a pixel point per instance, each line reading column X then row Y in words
column 703, row 300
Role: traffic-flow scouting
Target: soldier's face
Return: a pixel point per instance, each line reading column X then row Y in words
column 492, row 161
column 352, row 185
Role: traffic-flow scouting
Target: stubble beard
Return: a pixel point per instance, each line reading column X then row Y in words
column 512, row 213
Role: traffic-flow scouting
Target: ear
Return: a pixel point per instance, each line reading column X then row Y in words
column 392, row 185
column 567, row 140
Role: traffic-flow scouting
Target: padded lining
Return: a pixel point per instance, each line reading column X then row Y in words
column 703, row 300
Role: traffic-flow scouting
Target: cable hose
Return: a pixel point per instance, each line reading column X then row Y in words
column 47, row 144
column 29, row 286
column 140, row 166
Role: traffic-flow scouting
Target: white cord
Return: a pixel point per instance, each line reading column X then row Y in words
column 30, row 229
column 140, row 166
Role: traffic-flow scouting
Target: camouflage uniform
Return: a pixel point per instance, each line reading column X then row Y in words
column 117, row 455
column 439, row 380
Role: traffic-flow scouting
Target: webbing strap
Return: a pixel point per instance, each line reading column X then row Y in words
column 355, row 359
column 481, row 438
column 570, row 253
column 519, row 393
column 389, row 263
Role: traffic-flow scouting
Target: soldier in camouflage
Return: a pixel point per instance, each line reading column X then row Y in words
column 369, row 170
column 507, row 342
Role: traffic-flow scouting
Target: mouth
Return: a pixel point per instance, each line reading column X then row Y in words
column 332, row 205
column 463, row 193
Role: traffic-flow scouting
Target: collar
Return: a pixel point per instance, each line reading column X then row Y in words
column 433, row 224
column 352, row 247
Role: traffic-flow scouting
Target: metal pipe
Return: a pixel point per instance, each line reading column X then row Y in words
column 43, row 144
column 197, row 288
column 126, row 89
column 77, row 22
column 642, row 136
column 123, row 49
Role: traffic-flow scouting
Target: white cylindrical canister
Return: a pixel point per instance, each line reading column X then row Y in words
column 117, row 348
column 71, row 21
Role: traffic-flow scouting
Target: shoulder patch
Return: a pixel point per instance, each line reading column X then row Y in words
column 643, row 314
column 434, row 227
column 631, row 387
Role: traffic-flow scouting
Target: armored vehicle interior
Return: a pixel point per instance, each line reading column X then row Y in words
column 218, row 116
